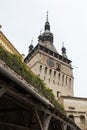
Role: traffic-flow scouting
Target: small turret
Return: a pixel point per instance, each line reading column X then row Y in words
column 31, row 46
column 63, row 51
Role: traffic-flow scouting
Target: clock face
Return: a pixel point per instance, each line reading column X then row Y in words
column 50, row 62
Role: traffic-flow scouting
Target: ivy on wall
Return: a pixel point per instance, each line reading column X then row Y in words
column 15, row 62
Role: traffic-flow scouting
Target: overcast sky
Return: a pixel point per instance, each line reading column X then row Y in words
column 22, row 21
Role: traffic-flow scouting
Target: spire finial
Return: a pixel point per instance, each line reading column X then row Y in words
column 0, row 26
column 32, row 41
column 63, row 43
column 31, row 46
column 63, row 50
column 47, row 17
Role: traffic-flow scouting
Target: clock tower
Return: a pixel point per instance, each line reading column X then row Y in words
column 54, row 68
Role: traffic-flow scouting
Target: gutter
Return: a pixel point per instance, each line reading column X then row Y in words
column 5, row 70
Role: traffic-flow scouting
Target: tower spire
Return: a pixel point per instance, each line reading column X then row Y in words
column 47, row 25
column 47, row 17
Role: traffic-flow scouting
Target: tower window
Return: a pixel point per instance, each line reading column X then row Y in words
column 54, row 74
column 58, row 67
column 50, row 71
column 45, row 70
column 40, row 68
column 66, row 80
column 71, row 107
column 82, row 119
column 58, row 94
column 69, row 82
column 62, row 80
column 59, row 76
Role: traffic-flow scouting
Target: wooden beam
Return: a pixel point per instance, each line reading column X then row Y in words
column 2, row 91
column 45, row 124
column 10, row 125
column 64, row 126
column 61, row 119
column 20, row 98
column 38, row 118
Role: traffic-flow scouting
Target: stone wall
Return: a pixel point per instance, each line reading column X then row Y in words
column 76, row 109
column 45, row 66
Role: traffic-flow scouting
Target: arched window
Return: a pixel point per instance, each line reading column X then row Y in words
column 50, row 72
column 40, row 68
column 45, row 70
column 59, row 79
column 82, row 119
column 66, row 80
column 54, row 74
column 59, row 76
column 58, row 94
column 69, row 82
column 62, row 80
column 54, row 81
column 71, row 117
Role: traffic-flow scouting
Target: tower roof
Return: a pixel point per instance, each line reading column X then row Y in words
column 45, row 44
column 46, row 38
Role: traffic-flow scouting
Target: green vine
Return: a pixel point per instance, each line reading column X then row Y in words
column 15, row 63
